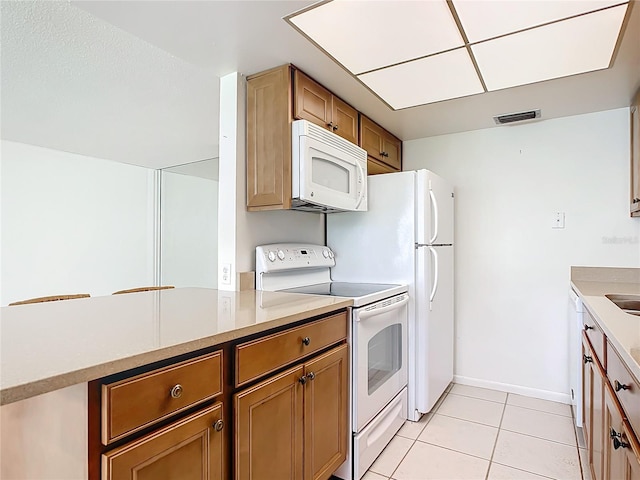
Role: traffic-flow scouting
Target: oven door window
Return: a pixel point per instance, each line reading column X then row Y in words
column 384, row 356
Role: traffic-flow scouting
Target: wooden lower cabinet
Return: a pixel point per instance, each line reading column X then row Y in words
column 621, row 450
column 593, row 395
column 293, row 425
column 189, row 449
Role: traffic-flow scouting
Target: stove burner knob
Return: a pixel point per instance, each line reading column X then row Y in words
column 325, row 253
column 280, row 254
column 272, row 256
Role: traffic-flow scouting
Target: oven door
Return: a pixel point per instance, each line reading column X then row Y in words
column 330, row 175
column 380, row 357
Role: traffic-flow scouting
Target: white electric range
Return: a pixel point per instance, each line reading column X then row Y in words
column 377, row 337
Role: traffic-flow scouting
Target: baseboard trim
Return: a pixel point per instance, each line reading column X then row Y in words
column 517, row 389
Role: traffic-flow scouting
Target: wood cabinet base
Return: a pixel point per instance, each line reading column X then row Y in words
column 190, row 449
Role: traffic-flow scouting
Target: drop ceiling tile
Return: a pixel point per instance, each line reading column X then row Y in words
column 483, row 19
column 431, row 79
column 578, row 45
column 363, row 36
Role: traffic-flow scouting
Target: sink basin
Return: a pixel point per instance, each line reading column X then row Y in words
column 626, row 303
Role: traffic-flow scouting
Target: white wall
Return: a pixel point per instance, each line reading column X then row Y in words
column 72, row 224
column 239, row 231
column 512, row 268
column 189, row 231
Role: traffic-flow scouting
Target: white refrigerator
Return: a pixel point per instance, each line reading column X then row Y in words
column 406, row 237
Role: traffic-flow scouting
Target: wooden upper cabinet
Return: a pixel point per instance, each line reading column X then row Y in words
column 384, row 150
column 269, row 139
column 318, row 105
column 635, row 156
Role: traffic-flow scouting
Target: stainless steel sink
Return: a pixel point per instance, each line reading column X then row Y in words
column 626, row 303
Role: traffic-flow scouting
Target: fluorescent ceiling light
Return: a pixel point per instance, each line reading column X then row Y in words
column 365, row 35
column 431, row 79
column 482, row 19
column 581, row 44
column 412, row 52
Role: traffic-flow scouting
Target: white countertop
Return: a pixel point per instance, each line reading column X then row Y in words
column 48, row 346
column 622, row 329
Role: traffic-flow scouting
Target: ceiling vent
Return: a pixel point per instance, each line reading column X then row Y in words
column 516, row 117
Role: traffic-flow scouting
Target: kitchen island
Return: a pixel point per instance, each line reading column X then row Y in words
column 52, row 353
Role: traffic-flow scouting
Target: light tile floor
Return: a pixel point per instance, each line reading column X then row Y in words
column 476, row 433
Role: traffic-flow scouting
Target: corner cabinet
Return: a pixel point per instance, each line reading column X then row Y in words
column 611, row 409
column 293, row 424
column 384, row 151
column 635, row 156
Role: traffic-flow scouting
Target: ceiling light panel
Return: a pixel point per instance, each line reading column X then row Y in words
column 432, row 79
column 578, row 45
column 482, row 19
column 363, row 36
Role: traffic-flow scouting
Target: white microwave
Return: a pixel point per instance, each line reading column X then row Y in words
column 329, row 173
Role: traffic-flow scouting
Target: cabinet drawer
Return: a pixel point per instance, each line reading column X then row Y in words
column 264, row 355
column 626, row 387
column 595, row 336
column 137, row 402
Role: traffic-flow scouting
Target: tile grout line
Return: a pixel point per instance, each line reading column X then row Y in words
column 495, row 443
column 525, row 471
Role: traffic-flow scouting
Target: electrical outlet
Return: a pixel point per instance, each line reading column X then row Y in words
column 226, row 274
column 558, row 220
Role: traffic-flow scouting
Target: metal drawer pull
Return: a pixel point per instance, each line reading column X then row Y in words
column 311, row 375
column 176, row 391
column 218, row 426
column 587, row 358
column 306, row 341
column 587, row 327
column 620, row 386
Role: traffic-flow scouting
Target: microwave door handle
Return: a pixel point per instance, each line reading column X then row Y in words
column 364, row 179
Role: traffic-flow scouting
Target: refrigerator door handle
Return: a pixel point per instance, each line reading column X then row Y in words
column 434, row 202
column 434, row 283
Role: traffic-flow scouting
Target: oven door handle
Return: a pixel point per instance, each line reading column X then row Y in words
column 364, row 314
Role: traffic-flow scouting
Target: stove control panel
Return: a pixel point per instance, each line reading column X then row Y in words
column 292, row 256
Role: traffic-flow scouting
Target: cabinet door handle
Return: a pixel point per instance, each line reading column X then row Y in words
column 311, row 375
column 636, row 200
column 620, row 386
column 306, row 341
column 587, row 358
column 335, row 127
column 176, row 391
column 302, row 380
column 384, row 154
column 617, row 439
column 587, row 327
column 330, row 125
column 218, row 426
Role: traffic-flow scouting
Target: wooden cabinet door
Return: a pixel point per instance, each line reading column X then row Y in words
column 311, row 101
column 269, row 428
column 371, row 138
column 326, row 403
column 190, row 449
column 614, row 458
column 635, row 156
column 391, row 151
column 345, row 120
column 587, row 393
column 631, row 469
column 597, row 437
